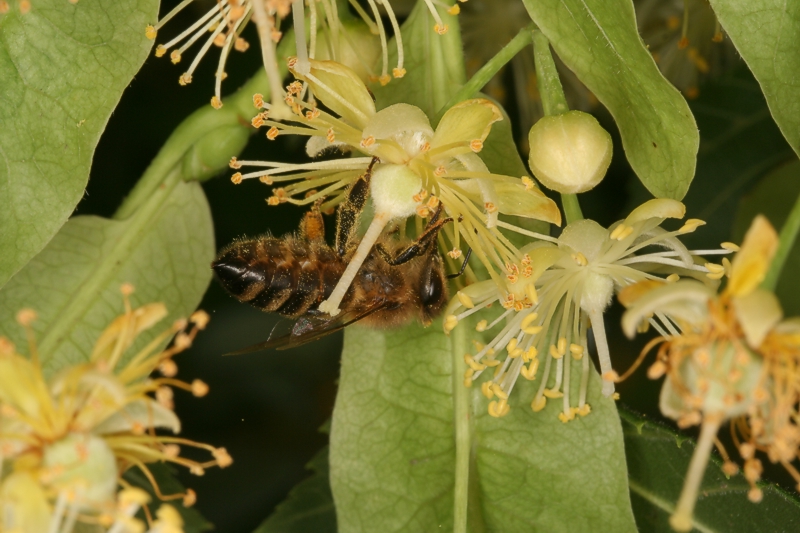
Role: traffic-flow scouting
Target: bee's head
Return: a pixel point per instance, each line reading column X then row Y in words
column 432, row 290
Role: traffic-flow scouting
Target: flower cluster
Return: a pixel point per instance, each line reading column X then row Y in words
column 344, row 41
column 726, row 356
column 417, row 168
column 65, row 442
column 558, row 290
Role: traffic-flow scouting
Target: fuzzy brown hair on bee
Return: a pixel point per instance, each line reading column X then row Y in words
column 401, row 280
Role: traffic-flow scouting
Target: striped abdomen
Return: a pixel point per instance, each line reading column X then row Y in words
column 287, row 276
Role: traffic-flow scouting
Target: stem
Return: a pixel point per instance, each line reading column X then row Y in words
column 553, row 103
column 462, row 430
column 553, row 100
column 572, row 208
column 786, row 241
column 488, row 71
column 681, row 520
column 603, row 355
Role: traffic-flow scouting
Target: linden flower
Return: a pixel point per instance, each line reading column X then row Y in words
column 726, row 356
column 223, row 24
column 686, row 41
column 413, row 167
column 557, row 291
column 66, row 442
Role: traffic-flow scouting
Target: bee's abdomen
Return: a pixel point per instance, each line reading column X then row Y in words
column 286, row 276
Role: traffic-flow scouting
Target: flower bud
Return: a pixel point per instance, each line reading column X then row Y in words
column 393, row 190
column 85, row 461
column 570, row 153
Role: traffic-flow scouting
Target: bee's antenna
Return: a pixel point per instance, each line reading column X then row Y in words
column 463, row 266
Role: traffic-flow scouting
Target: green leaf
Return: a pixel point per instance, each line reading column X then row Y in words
column 434, row 63
column 767, row 35
column 63, row 68
column 164, row 250
column 193, row 521
column 658, row 459
column 599, row 41
column 393, row 451
column 740, row 144
column 774, row 196
column 309, row 506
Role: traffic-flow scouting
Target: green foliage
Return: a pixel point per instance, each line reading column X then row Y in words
column 774, row 196
column 309, row 506
column 393, row 452
column 740, row 144
column 657, row 462
column 598, row 40
column 766, row 33
column 164, row 250
column 63, row 69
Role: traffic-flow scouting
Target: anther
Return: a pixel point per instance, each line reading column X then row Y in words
column 690, row 225
column 272, row 133
column 538, row 403
column 450, row 322
column 481, row 326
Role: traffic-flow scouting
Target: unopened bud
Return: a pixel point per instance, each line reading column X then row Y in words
column 569, row 153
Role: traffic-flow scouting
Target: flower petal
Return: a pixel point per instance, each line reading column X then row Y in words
column 340, row 88
column 514, row 199
column 657, row 208
column 466, row 122
column 147, row 413
column 750, row 264
column 685, row 300
column 24, row 502
column 139, row 320
column 398, row 121
column 758, row 312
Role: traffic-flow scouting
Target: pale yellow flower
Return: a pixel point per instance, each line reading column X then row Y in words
column 414, row 167
column 67, row 441
column 726, row 356
column 560, row 289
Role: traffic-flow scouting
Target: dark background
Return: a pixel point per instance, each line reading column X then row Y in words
column 266, row 408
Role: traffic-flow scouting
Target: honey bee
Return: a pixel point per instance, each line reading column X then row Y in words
column 399, row 281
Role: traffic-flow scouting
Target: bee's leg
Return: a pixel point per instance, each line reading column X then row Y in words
column 349, row 211
column 312, row 227
column 422, row 246
column 463, row 266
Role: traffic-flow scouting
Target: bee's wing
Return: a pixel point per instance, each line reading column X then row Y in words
column 290, row 333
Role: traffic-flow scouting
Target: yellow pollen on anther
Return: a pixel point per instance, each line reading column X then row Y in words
column 529, row 372
column 454, row 10
column 450, row 322
column 538, row 404
column 367, row 141
column 465, row 300
column 499, row 409
column 441, row 29
column 236, row 178
column 730, row 246
column 474, row 365
column 530, row 354
column 175, row 57
column 258, row 100
column 440, row 171
column 554, row 353
column 216, row 103
column 491, row 363
column 487, row 391
column 562, row 345
column 150, row 32
column 528, row 183
column 185, row 79
column 498, row 391
column 272, row 133
column 455, row 253
column 672, row 278
column 576, row 350
column 384, row 79
column 564, row 417
column 476, row 145
column 398, row 72
column 553, row 394
column 584, row 410
column 469, row 373
column 481, row 326
column 330, row 136
column 160, row 51
column 528, row 320
column 690, row 225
